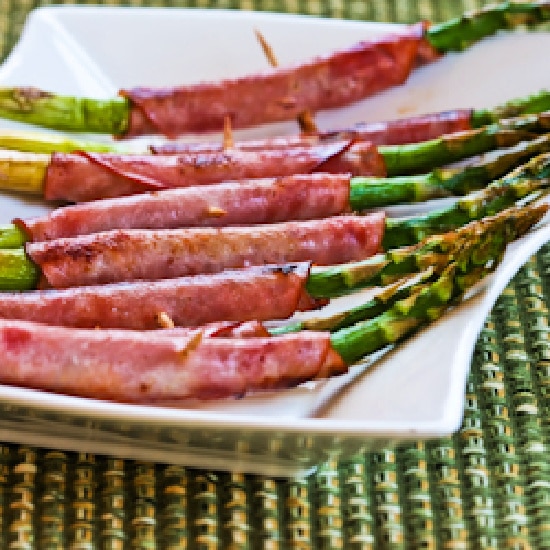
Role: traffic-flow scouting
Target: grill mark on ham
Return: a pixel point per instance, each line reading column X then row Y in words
column 124, row 255
column 156, row 366
column 327, row 82
column 257, row 293
column 108, row 175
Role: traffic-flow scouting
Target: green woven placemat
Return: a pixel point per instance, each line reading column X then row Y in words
column 486, row 487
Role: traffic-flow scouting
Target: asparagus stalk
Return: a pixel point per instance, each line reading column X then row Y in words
column 461, row 32
column 372, row 192
column 535, row 103
column 48, row 143
column 17, row 272
column 429, row 303
column 73, row 114
column 417, row 157
column 374, row 306
column 111, row 116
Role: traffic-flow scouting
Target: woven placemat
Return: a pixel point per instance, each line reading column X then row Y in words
column 488, row 486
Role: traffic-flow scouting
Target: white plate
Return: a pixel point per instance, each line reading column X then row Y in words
column 415, row 391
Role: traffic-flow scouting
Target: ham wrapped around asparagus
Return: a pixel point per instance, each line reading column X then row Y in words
column 125, row 255
column 157, row 366
column 104, row 175
column 389, row 132
column 300, row 197
column 257, row 293
column 327, row 82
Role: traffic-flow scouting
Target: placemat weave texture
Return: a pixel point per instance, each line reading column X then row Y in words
column 488, row 486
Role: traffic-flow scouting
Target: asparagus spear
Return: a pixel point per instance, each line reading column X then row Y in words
column 500, row 194
column 17, row 272
column 372, row 192
column 406, row 315
column 47, row 143
column 417, row 157
column 461, row 32
column 111, row 116
column 27, row 172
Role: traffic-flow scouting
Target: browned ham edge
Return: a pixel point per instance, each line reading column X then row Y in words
column 85, row 176
column 271, row 143
column 227, row 329
column 300, row 197
column 257, row 293
column 155, row 367
column 279, row 94
column 124, row 255
column 393, row 132
column 217, row 329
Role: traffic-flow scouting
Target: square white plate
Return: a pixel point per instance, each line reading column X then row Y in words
column 416, row 391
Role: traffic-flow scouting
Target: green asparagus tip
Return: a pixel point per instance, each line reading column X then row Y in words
column 460, row 33
column 17, row 271
column 35, row 106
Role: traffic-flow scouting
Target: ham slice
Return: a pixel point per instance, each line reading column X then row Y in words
column 270, row 143
column 392, row 132
column 327, row 82
column 155, row 367
column 406, row 130
column 85, row 176
column 300, row 197
column 257, row 293
column 124, row 255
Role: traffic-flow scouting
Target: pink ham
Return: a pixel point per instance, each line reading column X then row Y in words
column 257, row 293
column 393, row 132
column 85, row 176
column 406, row 130
column 124, row 255
column 287, row 198
column 134, row 366
column 327, row 82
